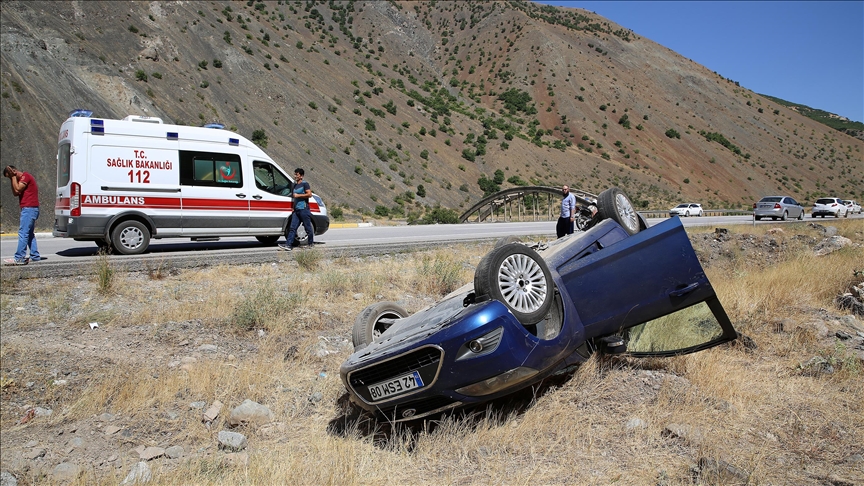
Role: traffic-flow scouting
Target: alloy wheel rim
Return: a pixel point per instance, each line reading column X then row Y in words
column 522, row 283
column 626, row 212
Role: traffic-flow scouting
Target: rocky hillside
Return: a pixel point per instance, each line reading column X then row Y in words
column 406, row 105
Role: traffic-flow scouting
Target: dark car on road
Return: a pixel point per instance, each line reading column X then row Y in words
column 778, row 207
column 537, row 311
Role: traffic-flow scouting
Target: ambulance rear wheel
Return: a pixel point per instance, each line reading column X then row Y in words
column 130, row 237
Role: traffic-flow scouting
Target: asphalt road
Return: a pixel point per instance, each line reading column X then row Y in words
column 65, row 257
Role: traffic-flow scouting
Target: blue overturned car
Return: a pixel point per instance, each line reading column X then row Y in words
column 618, row 287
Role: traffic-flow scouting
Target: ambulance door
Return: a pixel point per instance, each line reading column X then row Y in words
column 213, row 197
column 135, row 175
column 270, row 205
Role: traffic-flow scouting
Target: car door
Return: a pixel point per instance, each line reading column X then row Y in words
column 795, row 209
column 637, row 279
column 213, row 197
column 270, row 205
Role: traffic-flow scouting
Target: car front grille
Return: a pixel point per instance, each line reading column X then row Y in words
column 414, row 360
column 424, row 360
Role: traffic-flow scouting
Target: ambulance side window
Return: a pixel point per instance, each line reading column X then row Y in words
column 210, row 169
column 63, row 165
column 269, row 178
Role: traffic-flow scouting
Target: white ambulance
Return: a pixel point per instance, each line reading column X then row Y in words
column 124, row 182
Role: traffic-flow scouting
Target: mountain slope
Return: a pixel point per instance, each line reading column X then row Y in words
column 375, row 99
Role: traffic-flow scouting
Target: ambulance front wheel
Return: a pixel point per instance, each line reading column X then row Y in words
column 130, row 237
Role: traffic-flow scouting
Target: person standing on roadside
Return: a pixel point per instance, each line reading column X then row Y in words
column 24, row 186
column 302, row 213
column 568, row 213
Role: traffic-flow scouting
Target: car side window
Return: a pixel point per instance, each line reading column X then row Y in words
column 690, row 328
column 270, row 179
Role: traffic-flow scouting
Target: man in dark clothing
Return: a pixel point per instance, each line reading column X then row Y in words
column 24, row 186
column 568, row 213
column 302, row 193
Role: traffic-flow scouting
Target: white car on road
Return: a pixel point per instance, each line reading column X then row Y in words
column 829, row 206
column 852, row 206
column 686, row 209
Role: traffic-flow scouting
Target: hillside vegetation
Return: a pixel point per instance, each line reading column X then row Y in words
column 177, row 350
column 407, row 106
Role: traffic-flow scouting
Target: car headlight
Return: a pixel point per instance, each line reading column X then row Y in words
column 481, row 346
column 498, row 383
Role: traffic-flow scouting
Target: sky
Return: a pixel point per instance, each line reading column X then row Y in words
column 810, row 53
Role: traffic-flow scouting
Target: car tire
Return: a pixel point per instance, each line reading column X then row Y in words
column 301, row 237
column 614, row 204
column 801, row 216
column 130, row 237
column 785, row 216
column 374, row 320
column 580, row 222
column 267, row 240
column 507, row 240
column 518, row 277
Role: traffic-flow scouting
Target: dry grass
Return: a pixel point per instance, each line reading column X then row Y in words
column 751, row 408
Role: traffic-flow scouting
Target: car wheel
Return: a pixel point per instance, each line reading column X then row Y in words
column 267, row 240
column 580, row 222
column 614, row 204
column 518, row 277
column 687, row 214
column 507, row 240
column 785, row 216
column 801, row 216
column 130, row 237
column 374, row 320
column 301, row 237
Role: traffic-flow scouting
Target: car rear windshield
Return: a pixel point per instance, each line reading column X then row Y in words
column 771, row 199
column 825, row 201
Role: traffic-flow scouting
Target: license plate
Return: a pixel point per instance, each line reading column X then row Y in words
column 395, row 386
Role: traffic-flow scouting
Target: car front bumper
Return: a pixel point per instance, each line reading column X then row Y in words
column 452, row 374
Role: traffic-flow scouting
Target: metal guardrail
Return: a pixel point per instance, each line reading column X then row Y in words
column 705, row 212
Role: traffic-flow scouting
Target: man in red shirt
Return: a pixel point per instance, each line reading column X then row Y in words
column 24, row 186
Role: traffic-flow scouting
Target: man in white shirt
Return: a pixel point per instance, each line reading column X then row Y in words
column 568, row 213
